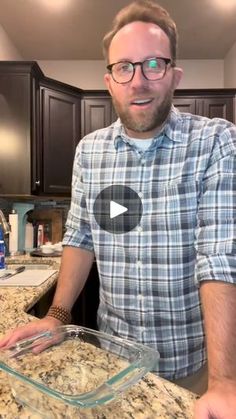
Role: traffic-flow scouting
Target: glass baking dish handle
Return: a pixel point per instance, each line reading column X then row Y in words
column 117, row 384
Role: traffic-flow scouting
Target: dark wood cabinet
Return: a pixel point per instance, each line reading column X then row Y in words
column 84, row 312
column 42, row 120
column 184, row 104
column 97, row 111
column 19, row 92
column 60, row 133
column 219, row 107
column 39, row 130
column 212, row 103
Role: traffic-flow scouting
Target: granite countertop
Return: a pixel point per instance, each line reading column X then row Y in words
column 151, row 398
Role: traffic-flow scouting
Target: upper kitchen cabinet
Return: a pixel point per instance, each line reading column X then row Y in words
column 212, row 103
column 39, row 130
column 42, row 120
column 19, row 95
column 97, row 111
column 60, row 133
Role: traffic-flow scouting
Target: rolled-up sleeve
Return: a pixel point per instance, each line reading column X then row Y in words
column 216, row 230
column 78, row 232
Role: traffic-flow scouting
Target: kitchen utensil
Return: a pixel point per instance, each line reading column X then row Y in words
column 60, row 372
column 7, row 275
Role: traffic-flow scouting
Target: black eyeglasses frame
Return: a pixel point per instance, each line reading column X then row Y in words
column 166, row 60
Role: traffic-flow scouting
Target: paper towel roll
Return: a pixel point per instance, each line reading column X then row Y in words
column 29, row 237
column 13, row 236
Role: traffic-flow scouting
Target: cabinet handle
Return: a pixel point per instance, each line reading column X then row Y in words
column 37, row 182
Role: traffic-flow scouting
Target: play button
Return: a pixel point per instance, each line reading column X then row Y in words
column 118, row 209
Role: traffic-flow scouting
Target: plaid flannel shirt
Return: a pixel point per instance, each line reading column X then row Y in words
column 149, row 277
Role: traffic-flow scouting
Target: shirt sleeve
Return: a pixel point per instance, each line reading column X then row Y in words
column 215, row 234
column 78, row 232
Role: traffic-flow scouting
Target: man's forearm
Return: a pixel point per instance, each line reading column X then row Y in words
column 219, row 309
column 75, row 267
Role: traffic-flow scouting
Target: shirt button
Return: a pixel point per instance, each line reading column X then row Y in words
column 139, row 229
column 139, row 297
column 140, row 194
column 139, row 263
column 142, row 161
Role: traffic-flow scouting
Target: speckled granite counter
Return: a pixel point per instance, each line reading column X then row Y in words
column 151, row 398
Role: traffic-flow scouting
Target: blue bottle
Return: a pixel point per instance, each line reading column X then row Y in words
column 2, row 250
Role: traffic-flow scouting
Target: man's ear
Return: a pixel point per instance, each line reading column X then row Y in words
column 107, row 81
column 177, row 76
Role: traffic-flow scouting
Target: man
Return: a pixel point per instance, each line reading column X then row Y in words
column 181, row 256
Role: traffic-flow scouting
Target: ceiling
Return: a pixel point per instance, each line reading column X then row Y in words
column 73, row 29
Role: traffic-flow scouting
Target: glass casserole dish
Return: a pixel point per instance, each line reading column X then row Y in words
column 74, row 367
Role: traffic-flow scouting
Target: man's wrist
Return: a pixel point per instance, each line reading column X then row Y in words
column 221, row 381
column 60, row 313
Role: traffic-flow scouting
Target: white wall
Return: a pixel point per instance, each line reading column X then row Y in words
column 89, row 74
column 200, row 74
column 83, row 74
column 230, row 68
column 8, row 50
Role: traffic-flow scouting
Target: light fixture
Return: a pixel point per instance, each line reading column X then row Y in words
column 226, row 5
column 56, row 5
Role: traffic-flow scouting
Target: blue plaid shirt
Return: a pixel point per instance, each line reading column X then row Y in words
column 149, row 277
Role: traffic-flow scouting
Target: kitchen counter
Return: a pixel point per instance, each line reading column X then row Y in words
column 151, row 398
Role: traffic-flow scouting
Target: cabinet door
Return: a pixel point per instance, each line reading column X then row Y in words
column 184, row 104
column 97, row 112
column 35, row 138
column 219, row 107
column 60, row 134
column 211, row 107
column 15, row 133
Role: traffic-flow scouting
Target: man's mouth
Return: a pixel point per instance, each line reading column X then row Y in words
column 141, row 102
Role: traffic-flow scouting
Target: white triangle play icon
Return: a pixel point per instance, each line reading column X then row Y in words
column 116, row 209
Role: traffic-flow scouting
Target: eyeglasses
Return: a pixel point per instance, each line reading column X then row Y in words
column 152, row 69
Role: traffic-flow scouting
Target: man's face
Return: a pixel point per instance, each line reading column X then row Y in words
column 142, row 105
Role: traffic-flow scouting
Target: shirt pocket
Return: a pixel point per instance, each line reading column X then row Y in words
column 175, row 206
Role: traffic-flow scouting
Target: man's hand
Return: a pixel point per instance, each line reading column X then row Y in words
column 28, row 330
column 219, row 402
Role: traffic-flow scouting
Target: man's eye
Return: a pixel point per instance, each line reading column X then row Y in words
column 125, row 67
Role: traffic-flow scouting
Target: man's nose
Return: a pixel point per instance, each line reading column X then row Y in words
column 138, row 78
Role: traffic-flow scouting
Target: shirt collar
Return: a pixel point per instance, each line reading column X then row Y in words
column 172, row 129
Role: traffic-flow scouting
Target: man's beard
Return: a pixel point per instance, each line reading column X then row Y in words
column 145, row 121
